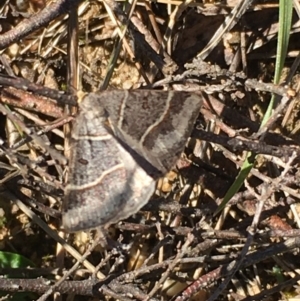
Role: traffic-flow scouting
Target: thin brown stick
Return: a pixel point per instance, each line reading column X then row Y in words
column 36, row 21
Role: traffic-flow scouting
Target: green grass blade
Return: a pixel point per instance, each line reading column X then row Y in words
column 285, row 21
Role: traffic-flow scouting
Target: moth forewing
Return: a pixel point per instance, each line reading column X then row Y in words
column 156, row 124
column 105, row 183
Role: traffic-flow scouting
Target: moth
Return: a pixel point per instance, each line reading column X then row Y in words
column 121, row 143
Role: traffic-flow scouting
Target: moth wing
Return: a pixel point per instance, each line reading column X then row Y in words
column 105, row 183
column 155, row 124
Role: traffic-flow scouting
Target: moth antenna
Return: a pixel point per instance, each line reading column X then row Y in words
column 80, row 96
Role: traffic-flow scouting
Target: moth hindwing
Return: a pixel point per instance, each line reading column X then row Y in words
column 112, row 173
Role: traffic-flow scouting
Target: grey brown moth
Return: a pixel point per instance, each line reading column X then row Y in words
column 121, row 142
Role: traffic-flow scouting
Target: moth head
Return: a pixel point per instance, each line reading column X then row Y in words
column 90, row 106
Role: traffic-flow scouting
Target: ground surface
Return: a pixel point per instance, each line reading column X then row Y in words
column 175, row 248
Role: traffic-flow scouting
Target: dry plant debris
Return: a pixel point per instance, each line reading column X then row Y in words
column 175, row 248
